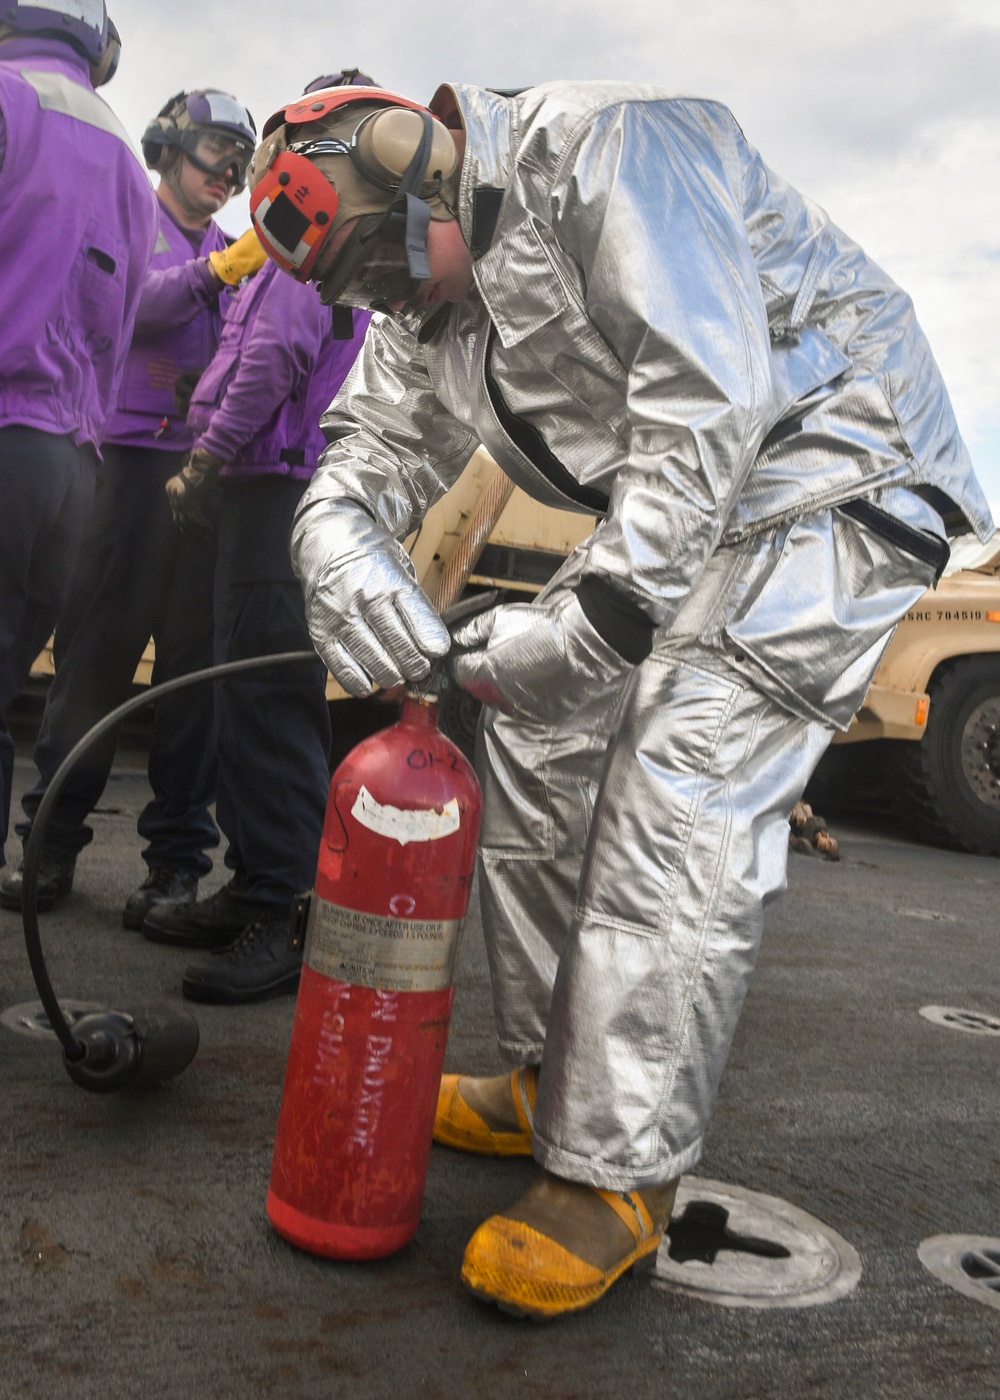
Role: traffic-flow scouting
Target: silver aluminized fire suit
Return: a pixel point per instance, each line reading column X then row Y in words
column 665, row 333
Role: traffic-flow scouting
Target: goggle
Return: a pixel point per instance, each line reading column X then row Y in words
column 217, row 153
column 372, row 269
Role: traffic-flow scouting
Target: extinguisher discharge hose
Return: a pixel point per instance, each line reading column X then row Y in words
column 73, row 1049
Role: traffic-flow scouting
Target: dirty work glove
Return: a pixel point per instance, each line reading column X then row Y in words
column 184, row 387
column 190, row 491
column 539, row 661
column 368, row 617
column 238, row 260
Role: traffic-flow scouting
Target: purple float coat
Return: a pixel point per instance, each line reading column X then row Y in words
column 177, row 328
column 276, row 370
column 77, row 228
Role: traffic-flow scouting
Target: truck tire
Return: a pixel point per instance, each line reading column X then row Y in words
column 852, row 778
column 949, row 786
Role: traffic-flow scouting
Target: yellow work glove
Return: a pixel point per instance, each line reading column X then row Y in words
column 190, row 490
column 238, row 260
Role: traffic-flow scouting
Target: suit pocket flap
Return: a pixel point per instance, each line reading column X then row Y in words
column 801, row 366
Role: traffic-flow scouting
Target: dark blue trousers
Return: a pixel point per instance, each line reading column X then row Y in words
column 274, row 727
column 137, row 577
column 46, row 488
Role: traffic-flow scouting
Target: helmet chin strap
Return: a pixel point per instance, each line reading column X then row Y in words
column 415, row 211
column 171, row 177
column 418, row 218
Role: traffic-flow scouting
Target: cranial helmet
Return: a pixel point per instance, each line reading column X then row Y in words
column 105, row 68
column 353, row 153
column 350, row 77
column 188, row 119
column 82, row 23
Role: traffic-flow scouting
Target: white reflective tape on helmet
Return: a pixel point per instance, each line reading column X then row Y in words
column 268, row 217
column 91, row 11
column 225, row 110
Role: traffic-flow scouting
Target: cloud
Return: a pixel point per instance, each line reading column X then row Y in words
column 886, row 112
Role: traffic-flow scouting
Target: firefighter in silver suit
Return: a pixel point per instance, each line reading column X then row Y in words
column 609, row 289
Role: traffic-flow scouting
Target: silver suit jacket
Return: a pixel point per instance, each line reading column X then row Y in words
column 662, row 332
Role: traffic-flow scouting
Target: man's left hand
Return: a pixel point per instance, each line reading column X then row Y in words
column 540, row 662
column 237, row 260
column 190, row 491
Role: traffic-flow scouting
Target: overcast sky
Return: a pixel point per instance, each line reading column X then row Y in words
column 886, row 112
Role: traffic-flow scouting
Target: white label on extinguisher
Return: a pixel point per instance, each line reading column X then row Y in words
column 371, row 950
column 403, row 824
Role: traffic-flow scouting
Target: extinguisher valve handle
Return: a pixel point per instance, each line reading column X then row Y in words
column 439, row 678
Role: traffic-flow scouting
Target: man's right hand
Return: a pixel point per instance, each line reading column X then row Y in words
column 369, row 619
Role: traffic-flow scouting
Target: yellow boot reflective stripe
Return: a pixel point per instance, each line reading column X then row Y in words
column 629, row 1208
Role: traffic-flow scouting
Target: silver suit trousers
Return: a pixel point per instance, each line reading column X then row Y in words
column 625, row 862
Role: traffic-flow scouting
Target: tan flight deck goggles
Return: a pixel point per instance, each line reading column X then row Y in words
column 394, row 162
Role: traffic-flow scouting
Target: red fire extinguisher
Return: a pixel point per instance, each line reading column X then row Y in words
column 392, row 889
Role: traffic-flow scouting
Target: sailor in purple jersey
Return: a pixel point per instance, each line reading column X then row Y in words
column 255, row 415
column 77, row 229
column 136, row 577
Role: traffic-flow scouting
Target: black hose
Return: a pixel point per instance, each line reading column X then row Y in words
column 73, row 1049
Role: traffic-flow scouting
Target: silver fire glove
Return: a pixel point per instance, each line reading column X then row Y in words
column 368, row 617
column 540, row 661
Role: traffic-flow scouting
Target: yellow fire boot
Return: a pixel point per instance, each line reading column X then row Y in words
column 492, row 1117
column 563, row 1245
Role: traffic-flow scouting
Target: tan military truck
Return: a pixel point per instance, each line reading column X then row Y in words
column 927, row 739
column 928, row 734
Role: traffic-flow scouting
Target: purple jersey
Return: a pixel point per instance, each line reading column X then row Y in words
column 77, row 228
column 176, row 328
column 276, row 371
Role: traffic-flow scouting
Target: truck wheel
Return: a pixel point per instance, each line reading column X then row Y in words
column 951, row 779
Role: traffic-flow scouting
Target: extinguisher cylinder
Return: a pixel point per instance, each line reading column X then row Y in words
column 392, row 889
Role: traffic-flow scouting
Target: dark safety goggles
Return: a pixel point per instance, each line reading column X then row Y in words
column 372, row 269
column 217, row 153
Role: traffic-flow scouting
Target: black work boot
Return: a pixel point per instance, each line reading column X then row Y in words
column 55, row 880
column 265, row 961
column 165, row 887
column 208, row 923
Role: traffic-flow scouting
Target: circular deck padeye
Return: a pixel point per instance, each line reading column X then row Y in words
column 743, row 1249
column 970, row 1264
column 957, row 1018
